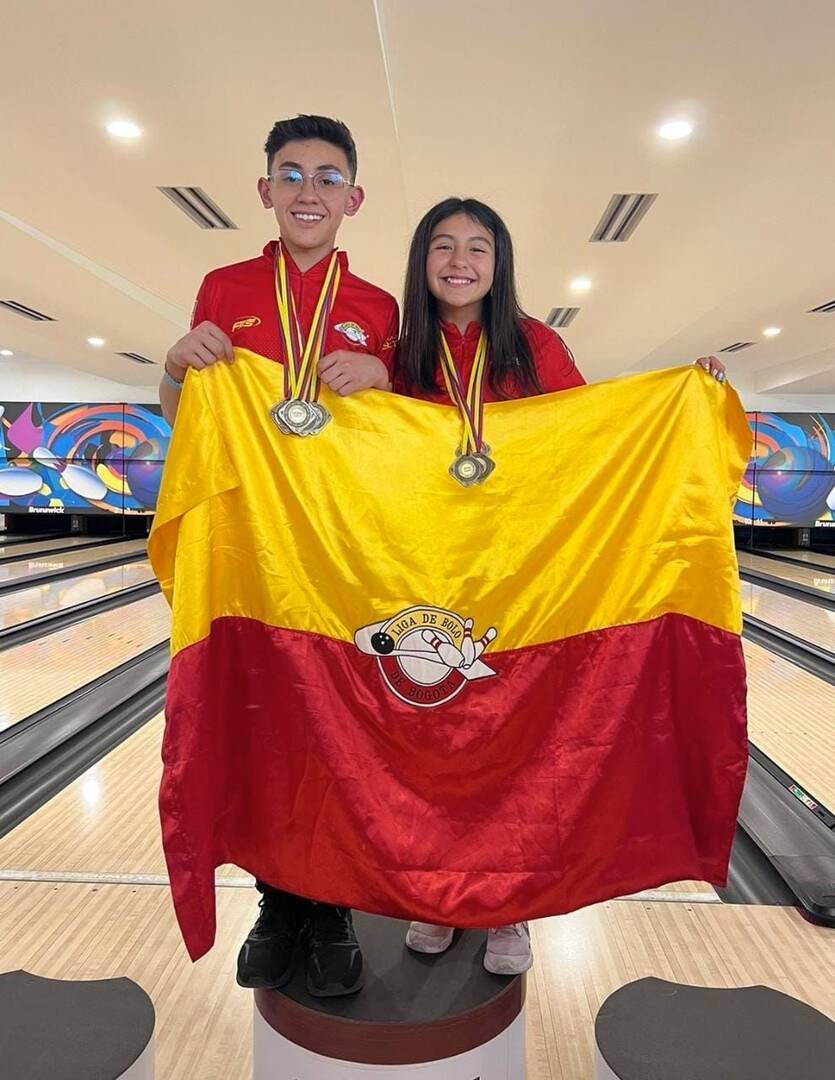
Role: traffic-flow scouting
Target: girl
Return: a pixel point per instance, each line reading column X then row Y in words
column 460, row 285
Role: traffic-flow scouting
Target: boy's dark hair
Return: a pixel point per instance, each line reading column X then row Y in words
column 312, row 127
column 510, row 359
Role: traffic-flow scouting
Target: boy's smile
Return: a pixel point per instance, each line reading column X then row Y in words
column 308, row 212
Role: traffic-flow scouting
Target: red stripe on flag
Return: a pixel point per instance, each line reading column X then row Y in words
column 585, row 769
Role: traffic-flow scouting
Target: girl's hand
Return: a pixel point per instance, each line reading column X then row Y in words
column 346, row 372
column 713, row 366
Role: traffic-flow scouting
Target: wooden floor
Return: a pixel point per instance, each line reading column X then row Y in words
column 41, row 671
column 83, row 893
column 822, row 580
column 101, row 908
column 24, row 604
column 37, row 564
column 38, row 547
column 791, row 717
column 816, row 558
column 805, row 620
column 94, row 931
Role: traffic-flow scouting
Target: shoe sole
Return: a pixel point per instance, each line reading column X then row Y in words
column 271, row 984
column 335, row 991
column 429, row 949
column 507, row 967
column 264, row 984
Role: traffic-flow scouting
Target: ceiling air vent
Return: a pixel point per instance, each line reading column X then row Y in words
column 136, row 357
column 828, row 307
column 199, row 207
column 737, row 346
column 26, row 312
column 621, row 218
column 561, row 316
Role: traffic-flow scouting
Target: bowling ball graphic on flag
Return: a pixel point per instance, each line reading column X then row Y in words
column 426, row 655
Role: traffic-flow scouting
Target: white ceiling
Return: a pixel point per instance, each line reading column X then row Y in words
column 543, row 109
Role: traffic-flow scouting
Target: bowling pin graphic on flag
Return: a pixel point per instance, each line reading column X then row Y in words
column 468, row 706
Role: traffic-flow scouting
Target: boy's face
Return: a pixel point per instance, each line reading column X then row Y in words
column 309, row 212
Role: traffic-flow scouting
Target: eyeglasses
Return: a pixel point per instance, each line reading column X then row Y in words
column 325, row 181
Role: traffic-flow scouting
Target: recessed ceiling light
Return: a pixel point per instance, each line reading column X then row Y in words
column 771, row 331
column 96, row 342
column 6, row 352
column 581, row 284
column 124, row 129
column 675, row 129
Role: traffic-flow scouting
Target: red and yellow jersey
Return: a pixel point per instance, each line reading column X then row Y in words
column 240, row 299
column 555, row 367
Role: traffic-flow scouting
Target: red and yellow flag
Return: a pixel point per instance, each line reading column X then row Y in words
column 468, row 706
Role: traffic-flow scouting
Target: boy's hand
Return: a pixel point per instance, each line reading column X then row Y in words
column 346, row 372
column 204, row 345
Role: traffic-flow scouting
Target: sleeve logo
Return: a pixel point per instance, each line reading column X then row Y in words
column 353, row 332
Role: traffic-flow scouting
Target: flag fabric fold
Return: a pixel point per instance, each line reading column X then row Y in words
column 465, row 706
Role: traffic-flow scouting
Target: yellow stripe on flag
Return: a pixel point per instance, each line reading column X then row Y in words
column 609, row 505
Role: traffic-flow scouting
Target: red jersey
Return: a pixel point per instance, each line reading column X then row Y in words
column 555, row 367
column 240, row 299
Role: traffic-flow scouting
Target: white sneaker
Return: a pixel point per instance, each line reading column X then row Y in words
column 509, row 950
column 427, row 938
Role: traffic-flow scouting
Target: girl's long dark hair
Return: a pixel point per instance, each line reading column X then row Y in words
column 510, row 359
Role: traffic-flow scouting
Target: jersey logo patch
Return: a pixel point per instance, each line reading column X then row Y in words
column 244, row 324
column 353, row 332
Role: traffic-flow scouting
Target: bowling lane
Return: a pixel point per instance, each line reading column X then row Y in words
column 791, row 717
column 822, row 580
column 31, row 568
column 807, row 621
column 23, row 605
column 59, row 543
column 39, row 672
column 815, row 558
column 84, row 828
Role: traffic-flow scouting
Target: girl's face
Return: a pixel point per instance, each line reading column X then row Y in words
column 461, row 261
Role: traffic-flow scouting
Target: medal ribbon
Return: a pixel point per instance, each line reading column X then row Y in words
column 302, row 356
column 470, row 403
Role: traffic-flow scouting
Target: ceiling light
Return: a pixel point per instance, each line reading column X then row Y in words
column 771, row 331
column 675, row 129
column 124, row 129
column 6, row 352
column 581, row 284
column 96, row 342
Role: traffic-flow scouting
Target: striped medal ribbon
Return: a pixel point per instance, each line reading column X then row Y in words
column 472, row 464
column 301, row 413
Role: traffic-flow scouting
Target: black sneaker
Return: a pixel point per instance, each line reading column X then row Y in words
column 334, row 959
column 270, row 954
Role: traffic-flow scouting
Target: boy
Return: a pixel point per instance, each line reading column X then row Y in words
column 310, row 186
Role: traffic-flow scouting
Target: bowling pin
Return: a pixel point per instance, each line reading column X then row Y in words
column 82, row 481
column 830, row 500
column 451, row 656
column 467, row 643
column 485, row 640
